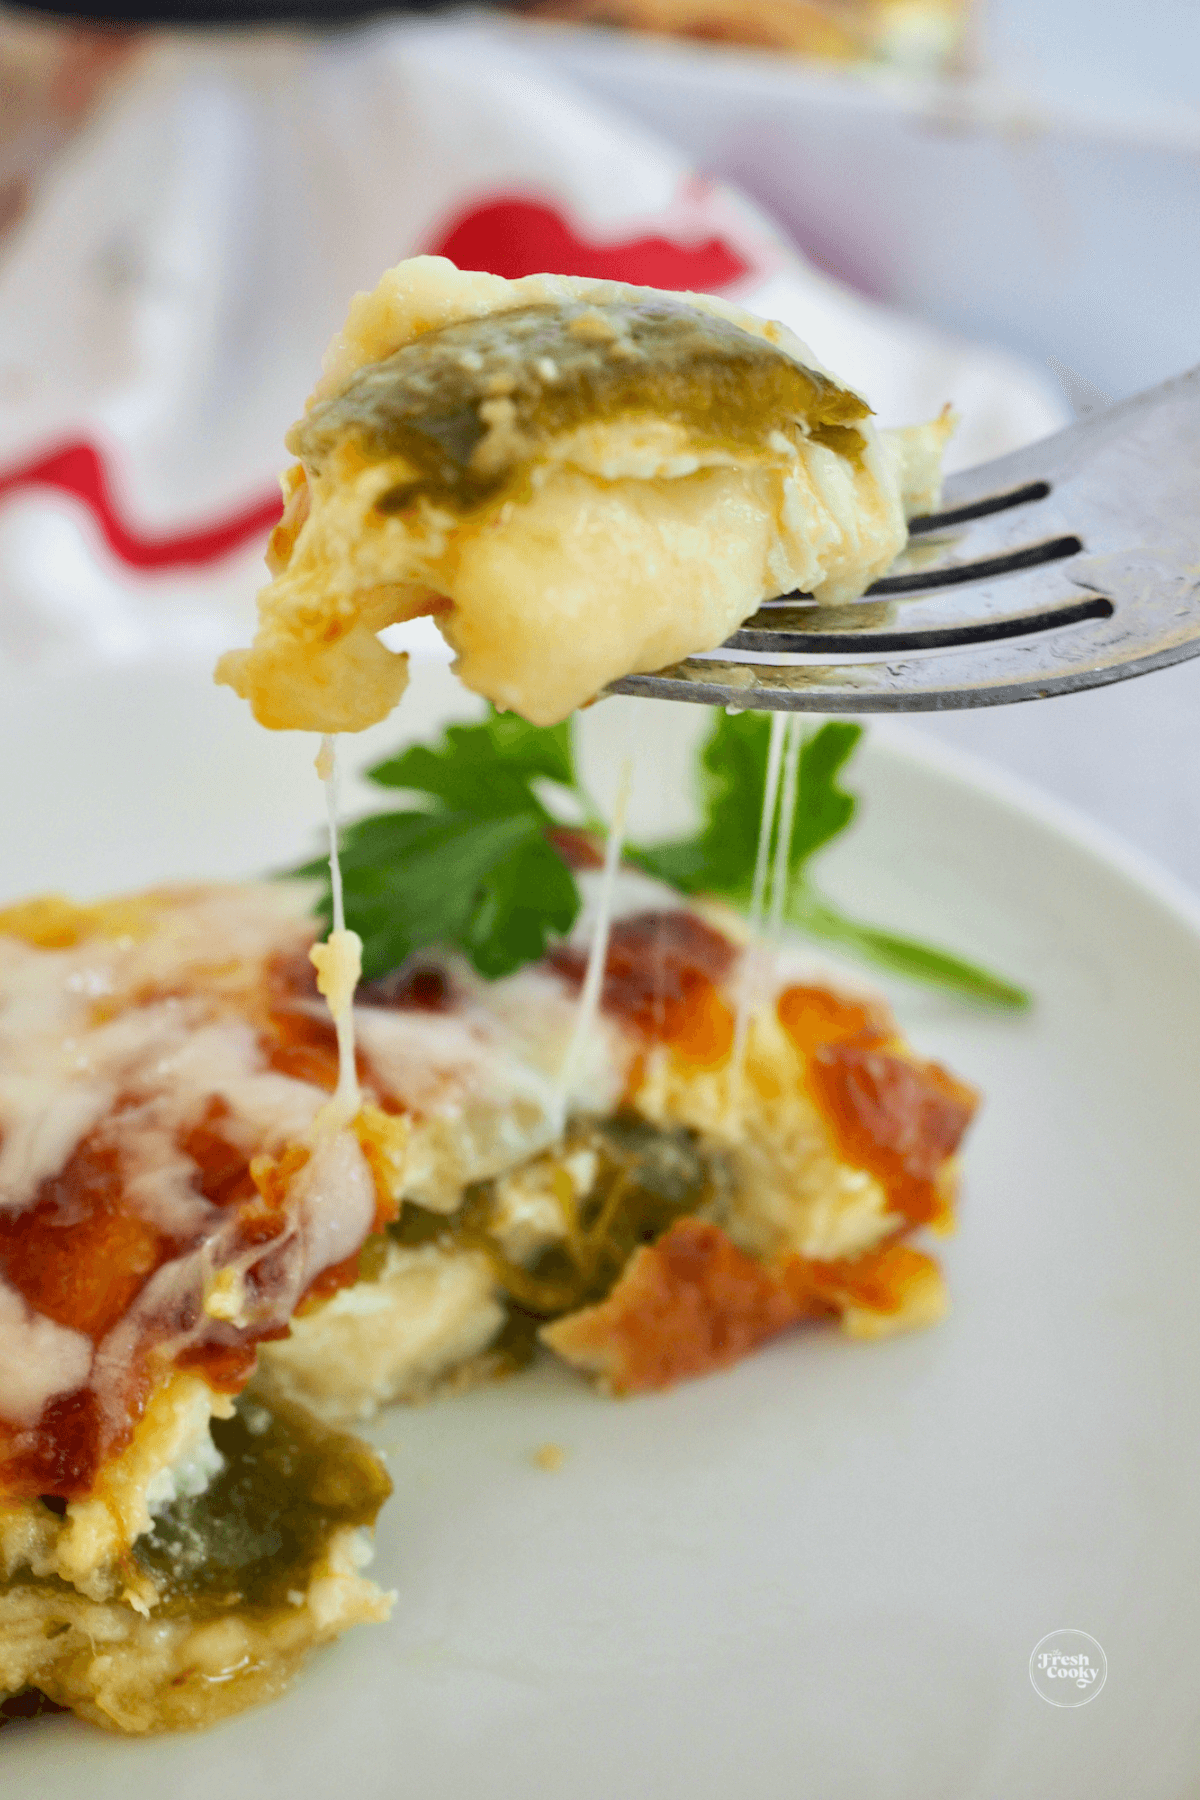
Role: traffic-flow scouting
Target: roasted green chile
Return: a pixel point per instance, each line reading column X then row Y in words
column 468, row 405
column 258, row 1531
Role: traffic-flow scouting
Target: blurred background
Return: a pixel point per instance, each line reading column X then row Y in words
column 1001, row 197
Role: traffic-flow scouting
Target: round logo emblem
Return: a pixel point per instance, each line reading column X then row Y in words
column 1068, row 1668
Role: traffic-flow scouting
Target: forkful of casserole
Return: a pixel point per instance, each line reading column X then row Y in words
column 599, row 488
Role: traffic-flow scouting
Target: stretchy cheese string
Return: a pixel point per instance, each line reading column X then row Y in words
column 593, row 981
column 338, row 961
column 766, row 823
column 762, row 863
column 789, row 796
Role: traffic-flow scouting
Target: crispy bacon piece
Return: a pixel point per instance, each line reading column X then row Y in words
column 60, row 1456
column 81, row 1255
column 417, row 987
column 690, row 1303
column 694, row 1302
column 304, row 1046
column 222, row 1171
column 886, row 1281
column 298, row 1037
column 226, row 1367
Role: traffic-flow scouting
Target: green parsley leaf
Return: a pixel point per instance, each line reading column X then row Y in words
column 823, row 809
column 485, row 769
column 526, row 897
column 469, row 863
column 720, row 857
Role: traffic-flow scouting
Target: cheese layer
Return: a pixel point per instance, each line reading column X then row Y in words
column 164, row 1201
column 169, row 1195
column 830, row 1145
column 131, row 1674
column 564, row 530
column 171, row 1212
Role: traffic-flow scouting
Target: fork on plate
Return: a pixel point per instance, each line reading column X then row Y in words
column 1071, row 563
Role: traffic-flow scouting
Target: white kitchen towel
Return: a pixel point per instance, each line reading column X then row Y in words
column 164, row 308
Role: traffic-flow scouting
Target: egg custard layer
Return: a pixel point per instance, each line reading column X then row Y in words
column 200, row 1280
column 579, row 480
column 692, row 1208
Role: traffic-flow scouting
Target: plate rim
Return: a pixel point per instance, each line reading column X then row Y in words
column 1018, row 794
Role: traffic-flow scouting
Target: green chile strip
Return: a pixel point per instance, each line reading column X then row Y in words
column 262, row 1525
column 648, row 1176
column 560, row 366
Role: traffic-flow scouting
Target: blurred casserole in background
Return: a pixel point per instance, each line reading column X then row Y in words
column 922, row 36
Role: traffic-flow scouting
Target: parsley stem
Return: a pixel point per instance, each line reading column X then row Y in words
column 906, row 956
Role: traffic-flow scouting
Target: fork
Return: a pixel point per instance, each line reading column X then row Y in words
column 1069, row 564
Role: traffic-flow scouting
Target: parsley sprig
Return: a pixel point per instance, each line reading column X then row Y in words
column 468, row 861
column 719, row 858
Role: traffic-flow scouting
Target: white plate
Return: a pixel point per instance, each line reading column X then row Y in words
column 822, row 1573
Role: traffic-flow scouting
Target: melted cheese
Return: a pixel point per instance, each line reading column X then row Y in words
column 748, row 996
column 627, row 543
column 484, row 1083
column 338, row 961
column 172, row 1021
column 38, row 1359
column 135, row 1040
column 336, row 1196
column 593, row 981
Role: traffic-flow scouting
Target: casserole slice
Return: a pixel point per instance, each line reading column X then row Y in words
column 169, row 1197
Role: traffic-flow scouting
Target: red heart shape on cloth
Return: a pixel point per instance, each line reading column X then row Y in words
column 512, row 237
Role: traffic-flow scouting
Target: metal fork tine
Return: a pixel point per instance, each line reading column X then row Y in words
column 955, row 574
column 1018, row 615
column 979, row 509
column 930, row 637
